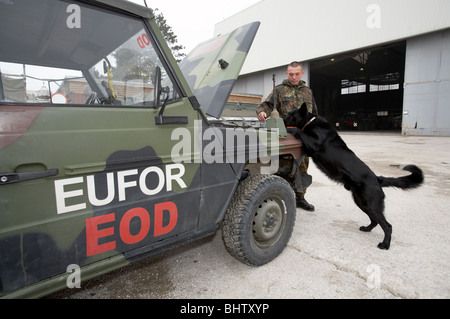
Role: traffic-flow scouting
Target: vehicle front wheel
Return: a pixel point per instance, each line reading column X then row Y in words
column 260, row 219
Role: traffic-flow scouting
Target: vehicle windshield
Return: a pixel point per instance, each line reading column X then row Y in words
column 62, row 53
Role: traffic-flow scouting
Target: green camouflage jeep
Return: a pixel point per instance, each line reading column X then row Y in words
column 111, row 152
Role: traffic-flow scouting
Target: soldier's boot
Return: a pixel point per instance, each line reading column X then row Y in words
column 303, row 204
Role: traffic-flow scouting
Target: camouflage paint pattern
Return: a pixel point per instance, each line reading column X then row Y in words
column 98, row 187
column 210, row 82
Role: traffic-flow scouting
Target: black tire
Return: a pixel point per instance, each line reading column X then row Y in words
column 260, row 219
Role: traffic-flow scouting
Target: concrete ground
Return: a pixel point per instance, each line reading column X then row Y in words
column 327, row 257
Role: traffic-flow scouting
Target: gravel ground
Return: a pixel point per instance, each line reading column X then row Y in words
column 327, row 257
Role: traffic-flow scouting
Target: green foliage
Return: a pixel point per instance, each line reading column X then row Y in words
column 169, row 36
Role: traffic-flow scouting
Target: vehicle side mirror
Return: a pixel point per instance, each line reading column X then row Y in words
column 157, row 87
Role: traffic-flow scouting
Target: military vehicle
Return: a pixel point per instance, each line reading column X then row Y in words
column 111, row 152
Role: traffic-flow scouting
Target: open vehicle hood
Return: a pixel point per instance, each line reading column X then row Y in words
column 211, row 69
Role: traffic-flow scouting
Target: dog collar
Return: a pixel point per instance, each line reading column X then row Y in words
column 312, row 120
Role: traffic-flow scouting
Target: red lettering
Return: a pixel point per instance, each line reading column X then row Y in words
column 159, row 213
column 93, row 234
column 140, row 43
column 125, row 234
column 208, row 47
column 145, row 39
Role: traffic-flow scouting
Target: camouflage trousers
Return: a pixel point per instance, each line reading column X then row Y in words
column 303, row 166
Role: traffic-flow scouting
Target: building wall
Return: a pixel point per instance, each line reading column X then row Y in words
column 293, row 30
column 261, row 83
column 304, row 30
column 426, row 106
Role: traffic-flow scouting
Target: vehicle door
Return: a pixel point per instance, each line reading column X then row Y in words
column 86, row 168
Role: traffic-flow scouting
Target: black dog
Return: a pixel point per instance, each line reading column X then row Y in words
column 332, row 156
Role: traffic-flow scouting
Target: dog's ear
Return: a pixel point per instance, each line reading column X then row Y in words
column 303, row 110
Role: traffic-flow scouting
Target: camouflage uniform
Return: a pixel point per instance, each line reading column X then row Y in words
column 289, row 98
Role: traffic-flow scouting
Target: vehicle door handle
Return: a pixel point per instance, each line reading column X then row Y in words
column 9, row 178
column 166, row 120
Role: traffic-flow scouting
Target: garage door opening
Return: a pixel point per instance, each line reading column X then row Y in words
column 361, row 90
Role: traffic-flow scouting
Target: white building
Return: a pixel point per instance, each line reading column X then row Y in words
column 385, row 61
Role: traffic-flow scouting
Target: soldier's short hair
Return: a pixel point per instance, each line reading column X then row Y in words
column 295, row 64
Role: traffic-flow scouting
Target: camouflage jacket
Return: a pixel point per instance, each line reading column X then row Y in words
column 289, row 98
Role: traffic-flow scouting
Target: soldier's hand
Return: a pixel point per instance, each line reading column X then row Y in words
column 262, row 116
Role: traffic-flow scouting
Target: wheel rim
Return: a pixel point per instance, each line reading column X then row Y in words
column 269, row 221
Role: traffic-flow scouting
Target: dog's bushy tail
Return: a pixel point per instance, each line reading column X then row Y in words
column 411, row 181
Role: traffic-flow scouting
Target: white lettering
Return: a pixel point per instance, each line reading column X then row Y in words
column 174, row 177
column 123, row 185
column 62, row 195
column 91, row 190
column 191, row 309
column 264, row 157
column 74, row 279
column 182, row 149
column 239, row 134
column 215, row 147
column 244, row 308
column 70, row 198
column 198, row 141
column 143, row 184
column 73, row 20
column 241, row 145
column 374, row 278
column 374, row 19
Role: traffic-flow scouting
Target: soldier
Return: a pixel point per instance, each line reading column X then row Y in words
column 291, row 95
